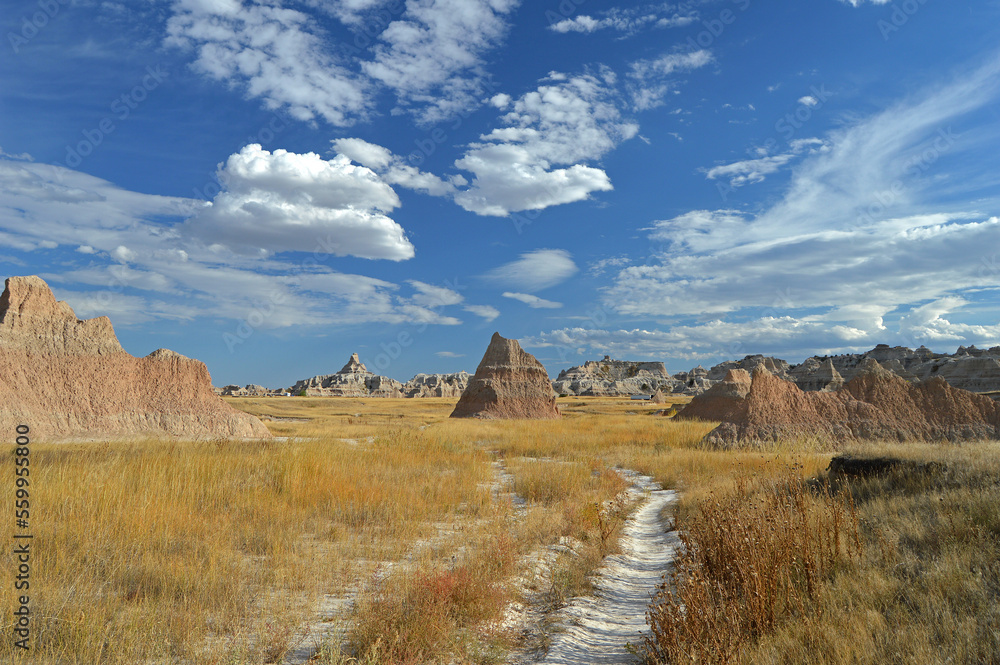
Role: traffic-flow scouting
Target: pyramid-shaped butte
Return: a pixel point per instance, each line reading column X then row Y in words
column 509, row 384
column 66, row 378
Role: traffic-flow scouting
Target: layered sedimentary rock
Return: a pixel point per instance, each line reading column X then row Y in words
column 875, row 404
column 509, row 383
column 436, row 385
column 250, row 390
column 976, row 370
column 816, row 375
column 353, row 380
column 615, row 378
column 68, row 378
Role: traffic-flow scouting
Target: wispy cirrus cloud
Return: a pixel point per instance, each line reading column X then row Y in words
column 531, row 301
column 854, row 227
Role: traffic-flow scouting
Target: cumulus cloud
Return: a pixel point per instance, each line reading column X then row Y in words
column 393, row 169
column 536, row 270
column 432, row 57
column 531, row 301
column 284, row 201
column 141, row 256
column 566, row 121
column 272, row 53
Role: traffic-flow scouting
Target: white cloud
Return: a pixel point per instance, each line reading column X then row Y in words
column 431, row 296
column 808, row 100
column 272, row 53
column 649, row 78
column 600, row 267
column 536, row 270
column 858, row 3
column 750, row 171
column 433, row 56
column 391, row 168
column 531, row 301
column 283, row 201
column 42, row 204
column 715, row 339
column 449, row 354
column 487, row 312
column 851, row 246
column 565, row 121
column 628, row 21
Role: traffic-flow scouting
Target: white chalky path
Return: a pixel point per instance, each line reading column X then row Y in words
column 597, row 628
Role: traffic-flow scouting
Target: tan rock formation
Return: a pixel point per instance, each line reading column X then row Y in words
column 876, row 404
column 615, row 378
column 353, row 380
column 509, row 383
column 816, row 375
column 437, row 385
column 67, row 379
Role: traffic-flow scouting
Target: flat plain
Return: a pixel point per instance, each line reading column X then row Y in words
column 381, row 531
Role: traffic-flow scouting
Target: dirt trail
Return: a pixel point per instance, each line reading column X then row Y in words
column 595, row 629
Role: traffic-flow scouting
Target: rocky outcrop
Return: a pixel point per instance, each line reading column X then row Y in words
column 875, row 404
column 353, row 380
column 436, row 385
column 775, row 366
column 250, row 390
column 67, row 378
column 614, row 378
column 509, row 383
column 976, row 370
column 816, row 375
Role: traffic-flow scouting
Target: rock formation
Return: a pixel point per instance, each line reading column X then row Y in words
column 250, row 390
column 816, row 375
column 436, row 385
column 509, row 383
column 66, row 378
column 353, row 380
column 875, row 404
column 614, row 378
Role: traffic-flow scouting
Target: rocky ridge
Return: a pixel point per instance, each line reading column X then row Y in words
column 969, row 368
column 68, row 378
column 875, row 404
column 614, row 377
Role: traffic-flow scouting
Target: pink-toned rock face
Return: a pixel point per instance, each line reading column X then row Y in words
column 875, row 404
column 69, row 379
column 509, row 384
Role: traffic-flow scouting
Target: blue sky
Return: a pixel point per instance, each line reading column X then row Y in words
column 271, row 186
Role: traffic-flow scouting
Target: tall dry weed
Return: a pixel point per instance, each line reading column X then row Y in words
column 754, row 557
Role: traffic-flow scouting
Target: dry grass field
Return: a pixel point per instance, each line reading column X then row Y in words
column 220, row 552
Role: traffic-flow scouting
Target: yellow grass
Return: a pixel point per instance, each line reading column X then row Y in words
column 181, row 552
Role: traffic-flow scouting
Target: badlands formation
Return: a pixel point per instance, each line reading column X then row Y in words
column 509, row 384
column 874, row 404
column 354, row 380
column 976, row 370
column 66, row 378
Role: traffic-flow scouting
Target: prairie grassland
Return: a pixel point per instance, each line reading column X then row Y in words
column 183, row 552
column 899, row 568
